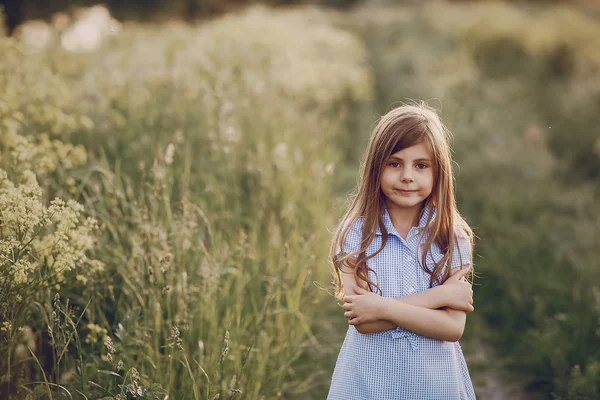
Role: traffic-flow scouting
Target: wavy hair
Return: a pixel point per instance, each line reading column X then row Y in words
column 402, row 127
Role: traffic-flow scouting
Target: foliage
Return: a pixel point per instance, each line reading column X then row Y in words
column 208, row 172
column 522, row 100
column 188, row 10
column 196, row 170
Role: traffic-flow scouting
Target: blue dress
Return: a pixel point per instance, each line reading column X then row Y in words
column 399, row 364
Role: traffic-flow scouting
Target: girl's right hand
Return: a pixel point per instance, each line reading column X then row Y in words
column 459, row 293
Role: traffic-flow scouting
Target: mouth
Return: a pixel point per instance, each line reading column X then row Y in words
column 402, row 191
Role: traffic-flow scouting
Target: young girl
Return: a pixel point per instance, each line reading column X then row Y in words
column 401, row 254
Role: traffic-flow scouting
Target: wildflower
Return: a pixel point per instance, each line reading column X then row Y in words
column 231, row 134
column 233, row 381
column 20, row 271
column 111, row 348
column 20, row 206
column 165, row 262
column 169, row 154
column 175, row 339
column 96, row 332
column 51, row 334
column 40, row 154
column 280, row 155
column 86, row 122
column 96, row 266
column 135, row 387
column 135, row 375
column 329, row 168
column 81, row 279
column 56, row 304
column 158, row 171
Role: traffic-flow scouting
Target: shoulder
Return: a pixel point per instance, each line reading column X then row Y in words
column 351, row 234
column 353, row 227
column 462, row 234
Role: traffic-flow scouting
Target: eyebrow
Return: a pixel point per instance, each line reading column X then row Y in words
column 418, row 159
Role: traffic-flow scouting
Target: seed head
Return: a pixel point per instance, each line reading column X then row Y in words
column 225, row 348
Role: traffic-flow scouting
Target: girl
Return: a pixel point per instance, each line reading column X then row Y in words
column 401, row 254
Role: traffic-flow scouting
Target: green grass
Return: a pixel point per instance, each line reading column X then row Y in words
column 216, row 159
column 210, row 174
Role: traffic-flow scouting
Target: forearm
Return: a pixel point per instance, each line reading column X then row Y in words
column 432, row 298
column 374, row 327
column 436, row 324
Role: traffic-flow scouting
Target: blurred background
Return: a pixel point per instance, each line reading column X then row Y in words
column 171, row 173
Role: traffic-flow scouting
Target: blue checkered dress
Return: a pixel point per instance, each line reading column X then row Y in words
column 399, row 364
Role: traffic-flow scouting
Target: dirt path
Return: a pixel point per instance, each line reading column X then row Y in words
column 488, row 382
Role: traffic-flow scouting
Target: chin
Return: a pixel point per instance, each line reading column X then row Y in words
column 407, row 204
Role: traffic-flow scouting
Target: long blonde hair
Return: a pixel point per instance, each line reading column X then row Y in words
column 402, row 127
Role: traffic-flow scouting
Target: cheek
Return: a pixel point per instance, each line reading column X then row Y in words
column 428, row 180
column 385, row 181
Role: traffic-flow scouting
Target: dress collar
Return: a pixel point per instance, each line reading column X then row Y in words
column 387, row 220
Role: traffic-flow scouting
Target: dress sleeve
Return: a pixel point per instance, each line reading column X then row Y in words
column 462, row 251
column 353, row 239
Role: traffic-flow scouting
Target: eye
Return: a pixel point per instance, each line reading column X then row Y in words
column 422, row 166
column 394, row 164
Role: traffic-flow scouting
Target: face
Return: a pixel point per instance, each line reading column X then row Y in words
column 407, row 177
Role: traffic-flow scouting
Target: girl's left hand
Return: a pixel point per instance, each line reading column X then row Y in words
column 363, row 307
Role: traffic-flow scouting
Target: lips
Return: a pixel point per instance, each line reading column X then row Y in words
column 402, row 191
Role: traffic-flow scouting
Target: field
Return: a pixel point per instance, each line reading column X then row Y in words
column 167, row 201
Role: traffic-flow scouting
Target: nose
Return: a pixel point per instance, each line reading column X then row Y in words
column 406, row 176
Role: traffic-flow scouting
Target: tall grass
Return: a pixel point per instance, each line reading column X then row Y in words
column 198, row 168
column 210, row 157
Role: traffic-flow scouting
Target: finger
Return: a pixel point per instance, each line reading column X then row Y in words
column 470, row 309
column 347, row 306
column 349, row 314
column 353, row 321
column 459, row 273
column 348, row 299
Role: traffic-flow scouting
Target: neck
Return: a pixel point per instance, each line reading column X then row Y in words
column 404, row 218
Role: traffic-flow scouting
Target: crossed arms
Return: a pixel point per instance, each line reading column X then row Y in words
column 439, row 313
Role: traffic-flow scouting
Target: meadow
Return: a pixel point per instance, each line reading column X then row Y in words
column 167, row 201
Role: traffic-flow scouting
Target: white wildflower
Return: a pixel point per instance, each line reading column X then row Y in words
column 169, row 154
